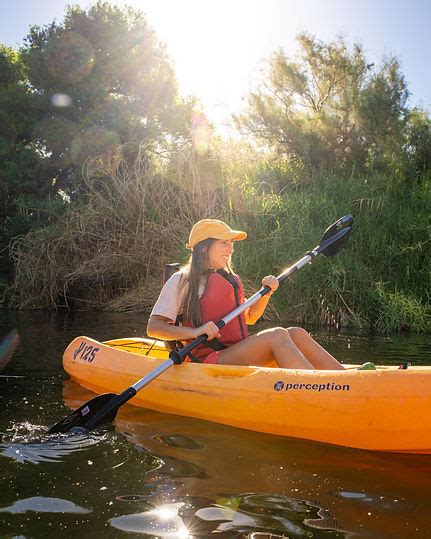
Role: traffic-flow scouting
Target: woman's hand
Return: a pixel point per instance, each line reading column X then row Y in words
column 209, row 329
column 272, row 282
column 257, row 310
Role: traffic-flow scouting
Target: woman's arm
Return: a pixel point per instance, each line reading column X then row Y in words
column 159, row 327
column 253, row 314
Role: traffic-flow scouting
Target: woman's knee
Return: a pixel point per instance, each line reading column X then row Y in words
column 275, row 335
column 296, row 332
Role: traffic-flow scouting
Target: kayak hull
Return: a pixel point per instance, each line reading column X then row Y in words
column 383, row 410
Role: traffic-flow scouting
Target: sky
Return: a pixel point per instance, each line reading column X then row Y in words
column 219, row 47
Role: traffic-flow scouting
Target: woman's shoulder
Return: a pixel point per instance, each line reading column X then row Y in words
column 177, row 280
column 176, row 277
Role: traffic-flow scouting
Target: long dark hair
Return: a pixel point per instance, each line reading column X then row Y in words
column 192, row 273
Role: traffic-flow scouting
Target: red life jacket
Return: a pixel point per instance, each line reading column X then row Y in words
column 218, row 300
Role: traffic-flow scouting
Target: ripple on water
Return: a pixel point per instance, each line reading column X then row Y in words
column 179, row 441
column 41, row 504
column 231, row 515
column 24, row 442
column 173, row 467
column 353, row 495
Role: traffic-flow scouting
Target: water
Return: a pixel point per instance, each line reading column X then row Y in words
column 158, row 475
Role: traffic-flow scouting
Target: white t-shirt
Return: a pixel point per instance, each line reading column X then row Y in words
column 171, row 299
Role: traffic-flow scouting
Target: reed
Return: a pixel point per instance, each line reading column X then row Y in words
column 108, row 251
column 390, row 244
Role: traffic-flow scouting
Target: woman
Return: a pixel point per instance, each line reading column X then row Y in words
column 205, row 290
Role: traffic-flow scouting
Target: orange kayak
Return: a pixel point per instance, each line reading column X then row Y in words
column 383, row 410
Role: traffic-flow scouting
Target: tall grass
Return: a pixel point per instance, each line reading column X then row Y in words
column 390, row 244
column 109, row 251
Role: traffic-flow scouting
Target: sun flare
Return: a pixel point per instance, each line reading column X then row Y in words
column 213, row 47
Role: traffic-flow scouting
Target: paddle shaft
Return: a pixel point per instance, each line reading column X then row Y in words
column 127, row 394
column 178, row 356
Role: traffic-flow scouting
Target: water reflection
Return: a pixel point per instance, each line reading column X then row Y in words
column 235, row 461
column 173, row 467
column 162, row 521
column 40, row 504
column 239, row 515
column 359, row 346
column 374, row 491
column 188, row 463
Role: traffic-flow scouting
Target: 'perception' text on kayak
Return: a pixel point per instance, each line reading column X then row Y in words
column 329, row 386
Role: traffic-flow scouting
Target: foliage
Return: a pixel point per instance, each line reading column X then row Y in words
column 109, row 252
column 400, row 311
column 418, row 145
column 390, row 244
column 329, row 107
column 25, row 189
column 105, row 80
column 76, row 90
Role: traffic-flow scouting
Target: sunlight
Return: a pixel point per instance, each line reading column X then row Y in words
column 214, row 47
column 168, row 514
column 165, row 512
column 162, row 521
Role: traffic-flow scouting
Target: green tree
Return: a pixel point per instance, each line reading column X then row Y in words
column 328, row 106
column 382, row 115
column 75, row 90
column 24, row 173
column 418, row 146
column 106, row 80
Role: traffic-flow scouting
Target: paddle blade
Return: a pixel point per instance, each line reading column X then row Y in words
column 83, row 415
column 336, row 236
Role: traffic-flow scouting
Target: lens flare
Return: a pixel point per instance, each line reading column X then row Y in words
column 61, row 100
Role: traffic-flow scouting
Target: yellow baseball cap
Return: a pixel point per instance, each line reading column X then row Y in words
column 213, row 228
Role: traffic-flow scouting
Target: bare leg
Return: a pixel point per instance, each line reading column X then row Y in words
column 265, row 347
column 316, row 354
